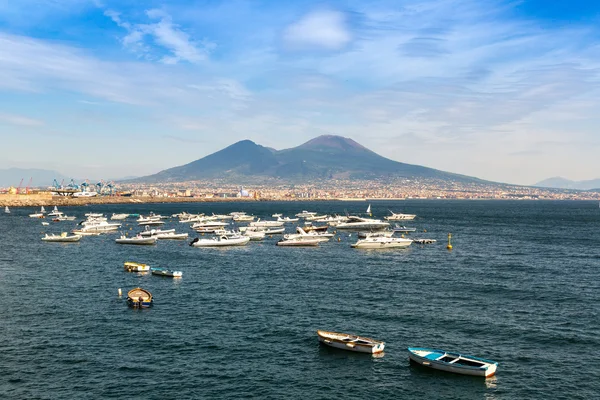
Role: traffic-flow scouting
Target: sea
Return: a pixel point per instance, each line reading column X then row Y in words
column 521, row 286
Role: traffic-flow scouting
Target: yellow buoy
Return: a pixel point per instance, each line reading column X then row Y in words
column 339, row 239
column 449, row 247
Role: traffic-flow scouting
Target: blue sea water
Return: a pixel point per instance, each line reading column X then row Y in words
column 521, row 287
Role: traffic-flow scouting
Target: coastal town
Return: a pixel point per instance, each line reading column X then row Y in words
column 220, row 190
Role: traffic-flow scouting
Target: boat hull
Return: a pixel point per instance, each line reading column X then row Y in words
column 139, row 242
column 62, row 239
column 427, row 360
column 334, row 339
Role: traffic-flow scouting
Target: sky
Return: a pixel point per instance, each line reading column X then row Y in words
column 504, row 90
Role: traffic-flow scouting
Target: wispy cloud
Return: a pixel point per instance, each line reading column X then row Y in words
column 324, row 29
column 20, row 120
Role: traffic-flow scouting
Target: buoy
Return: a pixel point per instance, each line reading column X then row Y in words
column 120, row 293
column 402, row 235
column 339, row 239
column 449, row 247
column 424, row 230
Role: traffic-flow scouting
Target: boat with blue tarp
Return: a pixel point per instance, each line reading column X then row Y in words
column 452, row 362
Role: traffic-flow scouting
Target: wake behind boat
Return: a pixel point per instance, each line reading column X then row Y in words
column 452, row 362
column 349, row 342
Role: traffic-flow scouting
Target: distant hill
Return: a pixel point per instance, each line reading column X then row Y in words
column 325, row 157
column 562, row 183
column 39, row 177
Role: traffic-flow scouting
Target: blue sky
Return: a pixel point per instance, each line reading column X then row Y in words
column 501, row 90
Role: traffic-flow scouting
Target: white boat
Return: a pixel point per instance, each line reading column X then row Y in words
column 222, row 217
column 119, row 216
column 321, row 237
column 305, row 214
column 38, row 214
column 277, row 215
column 94, row 215
column 220, row 241
column 403, row 229
column 369, row 210
column 154, row 232
column 265, row 223
column 171, row 236
column 140, row 240
column 209, row 225
column 131, row 266
column 362, row 224
column 151, row 222
column 299, row 242
column 274, row 231
column 452, row 362
column 400, row 217
column 6, row 210
column 42, row 210
column 99, row 225
column 55, row 212
column 46, row 224
column 363, row 234
column 85, row 194
column 287, row 220
column 62, row 238
column 316, row 217
column 243, row 218
column 349, row 342
column 254, row 235
column 381, row 243
column 63, row 217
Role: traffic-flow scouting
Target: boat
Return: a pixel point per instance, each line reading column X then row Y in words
column 47, row 223
column 151, row 222
column 277, row 215
column 209, row 226
column 316, row 228
column 154, row 232
column 38, row 214
column 369, row 210
column 364, row 235
column 381, row 243
column 6, row 210
column 63, row 217
column 266, row 224
column 305, row 214
column 274, row 231
column 62, row 238
column 139, row 298
column 403, row 229
column 316, row 217
column 221, row 217
column 400, row 217
column 243, row 218
column 349, row 342
column 452, row 362
column 94, row 215
column 119, row 216
column 139, row 240
column 81, row 232
column 287, row 219
column 424, row 241
column 166, row 272
column 299, row 242
column 55, row 212
column 131, row 266
column 220, row 241
column 171, row 236
column 254, row 235
column 322, row 237
column 98, row 225
column 362, row 224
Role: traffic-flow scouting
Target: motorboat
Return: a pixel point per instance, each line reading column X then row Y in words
column 265, row 223
column 362, row 224
column 48, row 223
column 139, row 298
column 243, row 218
column 299, row 242
column 154, row 232
column 131, row 266
column 64, row 217
column 305, row 214
column 55, row 212
column 220, row 241
column 335, row 220
column 7, row 210
column 222, row 217
column 94, row 215
column 171, row 236
column 99, row 225
column 119, row 217
column 40, row 214
column 277, row 215
column 403, row 229
column 321, row 237
column 274, row 231
column 150, row 222
column 189, row 218
column 381, row 243
column 287, row 219
column 166, row 272
column 364, row 235
column 139, row 240
column 400, row 217
column 209, row 225
column 315, row 228
column 62, row 238
column 452, row 362
column 254, row 235
column 345, row 341
column 316, row 217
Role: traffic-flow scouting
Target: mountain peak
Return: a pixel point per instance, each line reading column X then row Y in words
column 329, row 142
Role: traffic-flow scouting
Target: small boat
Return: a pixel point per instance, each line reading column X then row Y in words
column 381, row 243
column 363, row 234
column 277, row 215
column 243, row 218
column 316, row 228
column 55, row 212
column 403, row 229
column 369, row 210
column 139, row 298
column 287, row 219
column 274, row 231
column 424, row 241
column 37, row 215
column 62, row 238
column 316, row 217
column 154, row 232
column 151, row 222
column 266, row 224
column 131, row 266
column 254, row 235
column 47, row 223
column 140, row 240
column 299, row 242
column 305, row 214
column 119, row 216
column 452, row 362
column 82, row 233
column 171, row 236
column 400, row 217
column 94, row 215
column 6, row 210
column 345, row 341
column 166, row 272
column 220, row 241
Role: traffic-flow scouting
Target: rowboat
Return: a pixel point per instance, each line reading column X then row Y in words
column 131, row 266
column 136, row 240
column 166, row 272
column 346, row 341
column 452, row 362
column 62, row 238
column 139, row 298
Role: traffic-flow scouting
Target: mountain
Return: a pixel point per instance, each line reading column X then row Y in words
column 324, row 157
column 562, row 183
column 38, row 177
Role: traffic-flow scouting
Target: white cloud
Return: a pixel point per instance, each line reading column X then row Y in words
column 319, row 29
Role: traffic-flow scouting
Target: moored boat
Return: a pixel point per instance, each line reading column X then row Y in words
column 220, row 241
column 299, row 242
column 400, row 217
column 166, row 272
column 7, row 210
column 381, row 243
column 139, row 240
column 132, row 266
column 349, row 342
column 62, row 238
column 139, row 298
column 171, row 236
column 452, row 362
column 403, row 229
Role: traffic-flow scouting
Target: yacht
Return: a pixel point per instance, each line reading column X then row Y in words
column 221, row 241
column 362, row 224
column 381, row 243
column 400, row 217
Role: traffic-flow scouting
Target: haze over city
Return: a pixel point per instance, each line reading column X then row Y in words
column 502, row 90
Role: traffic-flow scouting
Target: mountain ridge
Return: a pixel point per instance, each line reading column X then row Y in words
column 558, row 182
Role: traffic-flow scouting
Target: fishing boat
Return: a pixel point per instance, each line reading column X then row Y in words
column 400, row 216
column 6, row 210
column 452, row 362
column 166, row 272
column 139, row 298
column 139, row 240
column 381, row 243
column 220, row 241
column 346, row 341
column 131, row 266
column 299, row 242
column 62, row 238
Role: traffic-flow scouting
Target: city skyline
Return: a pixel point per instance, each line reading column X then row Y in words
column 500, row 90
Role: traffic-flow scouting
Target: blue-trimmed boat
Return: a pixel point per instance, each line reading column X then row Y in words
column 139, row 298
column 452, row 362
